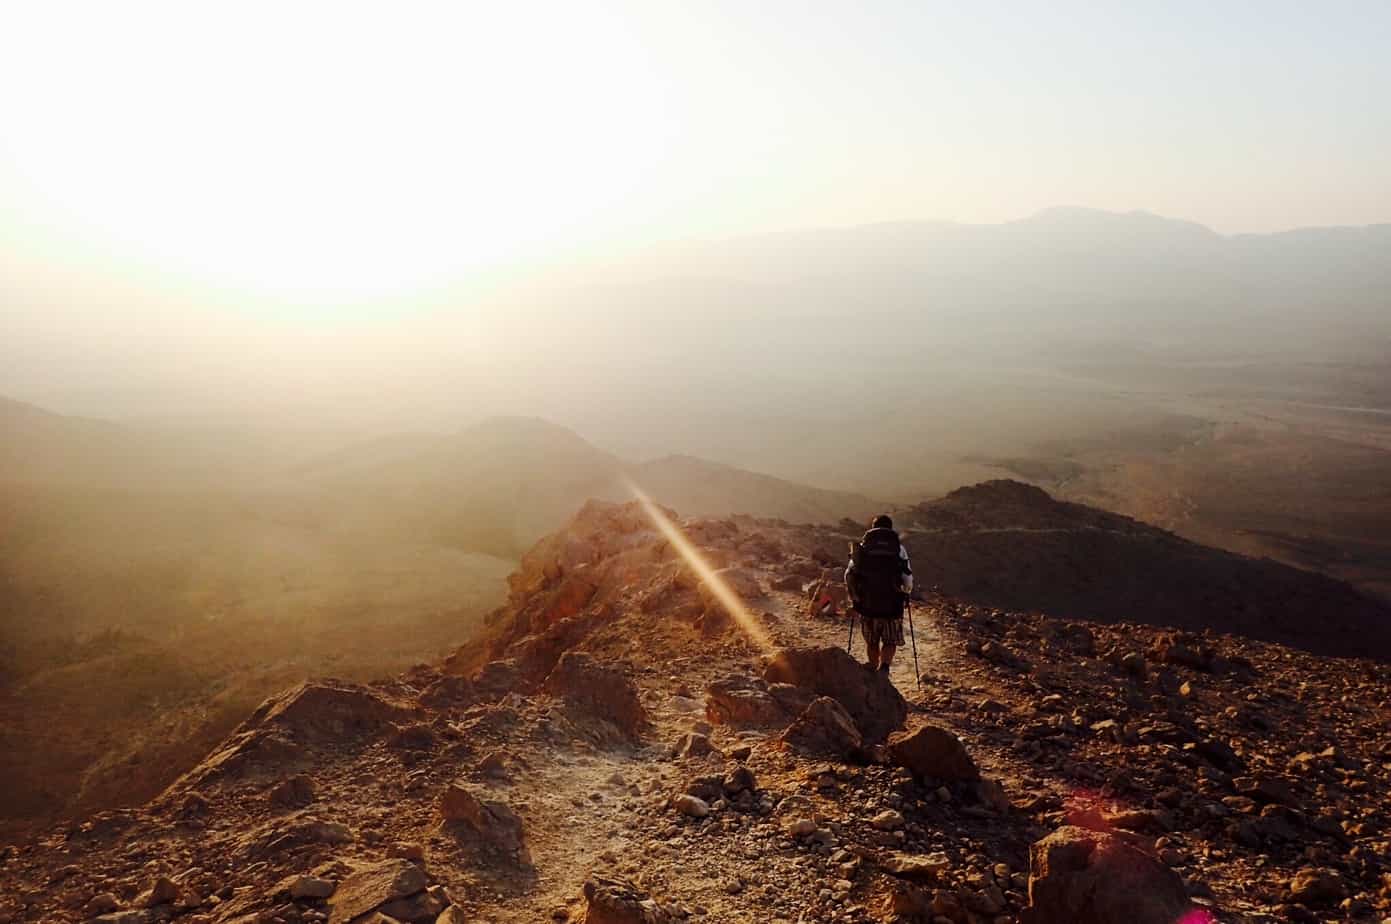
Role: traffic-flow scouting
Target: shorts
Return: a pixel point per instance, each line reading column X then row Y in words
column 883, row 631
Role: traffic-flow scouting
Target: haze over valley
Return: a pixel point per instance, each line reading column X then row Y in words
column 432, row 437
column 1137, row 364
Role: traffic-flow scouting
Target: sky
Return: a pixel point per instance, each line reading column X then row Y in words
column 301, row 154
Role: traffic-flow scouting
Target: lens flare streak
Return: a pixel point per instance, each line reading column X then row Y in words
column 743, row 618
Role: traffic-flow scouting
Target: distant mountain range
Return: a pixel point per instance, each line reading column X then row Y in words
column 496, row 486
column 1072, row 271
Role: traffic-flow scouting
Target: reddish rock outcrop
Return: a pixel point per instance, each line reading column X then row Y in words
column 1080, row 876
column 933, row 753
column 873, row 703
column 599, row 690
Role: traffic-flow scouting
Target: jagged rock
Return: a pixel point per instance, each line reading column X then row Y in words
column 493, row 820
column 537, row 654
column 418, row 736
column 907, row 902
column 617, row 901
column 792, row 699
column 1267, row 789
column 373, row 886
column 284, row 728
column 161, row 892
column 992, row 793
column 413, row 852
column 691, row 806
column 1133, row 663
column 496, row 679
column 869, row 697
column 572, row 595
column 708, row 788
column 932, row 753
column 312, row 887
column 824, row 729
column 102, row 903
column 452, row 915
column 297, row 831
column 1317, row 887
column 600, row 691
column 422, row 906
column 295, row 792
column 1080, row 876
column 324, row 711
column 449, row 690
column 1184, row 650
column 492, row 765
column 928, row 868
column 736, row 701
column 694, row 744
column 887, row 820
column 1074, row 637
column 740, row 779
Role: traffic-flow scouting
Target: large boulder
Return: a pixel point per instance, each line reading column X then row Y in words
column 932, row 753
column 742, row 702
column 1081, row 876
column 492, row 821
column 294, row 792
column 825, row 729
column 871, row 699
column 538, row 653
column 325, row 711
column 601, row 691
column 617, row 901
column 496, row 679
column 374, row 886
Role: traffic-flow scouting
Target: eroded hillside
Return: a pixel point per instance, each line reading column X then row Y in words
column 618, row 746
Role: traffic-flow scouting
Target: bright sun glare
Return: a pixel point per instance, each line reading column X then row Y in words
column 324, row 150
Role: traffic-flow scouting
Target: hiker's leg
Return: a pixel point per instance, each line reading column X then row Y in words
column 888, row 656
column 871, row 650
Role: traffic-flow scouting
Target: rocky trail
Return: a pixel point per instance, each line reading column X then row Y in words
column 618, row 747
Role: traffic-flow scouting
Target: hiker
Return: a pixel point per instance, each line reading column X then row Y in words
column 879, row 579
column 827, row 595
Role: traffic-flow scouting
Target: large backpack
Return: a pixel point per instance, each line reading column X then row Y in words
column 878, row 574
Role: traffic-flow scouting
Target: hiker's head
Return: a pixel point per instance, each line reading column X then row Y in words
column 882, row 522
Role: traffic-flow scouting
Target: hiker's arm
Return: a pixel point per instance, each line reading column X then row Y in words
column 850, row 582
column 905, row 583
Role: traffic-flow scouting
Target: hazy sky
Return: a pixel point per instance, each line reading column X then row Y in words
column 318, row 152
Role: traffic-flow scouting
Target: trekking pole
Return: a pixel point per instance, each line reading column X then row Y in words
column 913, row 634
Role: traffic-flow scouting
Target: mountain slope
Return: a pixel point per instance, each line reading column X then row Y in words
column 560, row 768
column 1007, row 544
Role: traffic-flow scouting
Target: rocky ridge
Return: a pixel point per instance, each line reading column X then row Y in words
column 614, row 749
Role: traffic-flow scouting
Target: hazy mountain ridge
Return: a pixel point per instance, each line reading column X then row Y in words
column 1065, row 252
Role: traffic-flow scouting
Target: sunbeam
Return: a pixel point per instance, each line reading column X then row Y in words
column 730, row 600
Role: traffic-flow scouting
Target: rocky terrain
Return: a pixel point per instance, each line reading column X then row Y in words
column 628, row 742
column 157, row 582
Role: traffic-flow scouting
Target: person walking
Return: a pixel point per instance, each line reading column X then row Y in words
column 879, row 579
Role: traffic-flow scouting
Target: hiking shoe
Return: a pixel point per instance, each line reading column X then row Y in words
column 883, row 668
column 869, row 666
